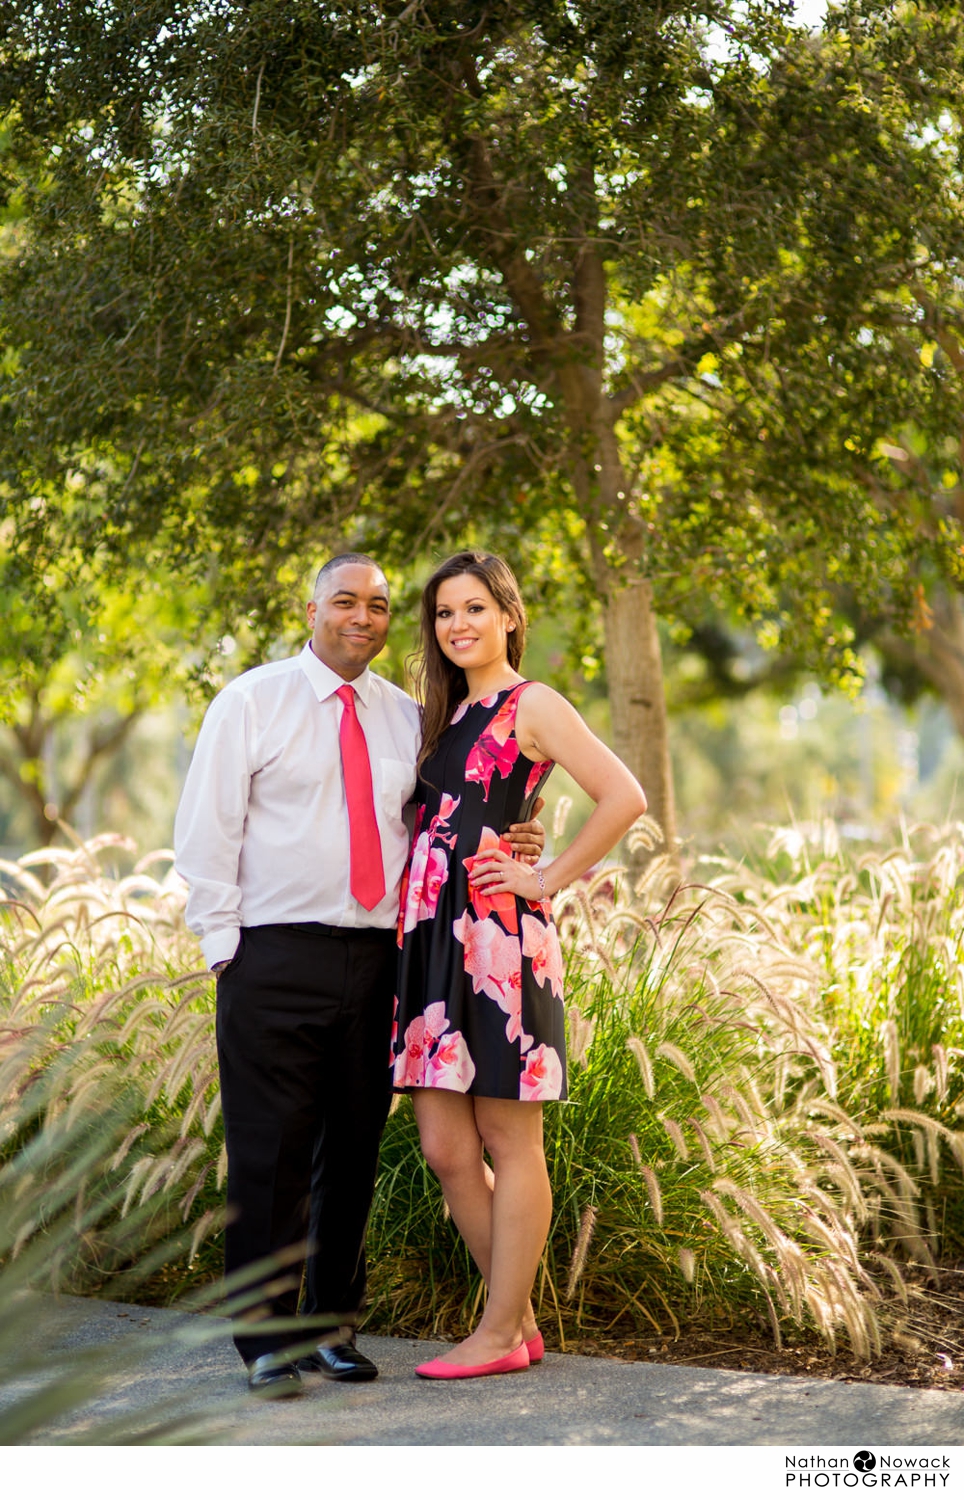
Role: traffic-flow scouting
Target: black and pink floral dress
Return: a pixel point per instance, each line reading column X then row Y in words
column 479, row 1007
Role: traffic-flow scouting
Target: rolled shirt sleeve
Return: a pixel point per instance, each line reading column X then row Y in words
column 209, row 826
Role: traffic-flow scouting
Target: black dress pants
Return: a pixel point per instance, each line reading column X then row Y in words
column 304, row 1020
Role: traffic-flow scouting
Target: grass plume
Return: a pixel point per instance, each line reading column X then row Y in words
column 767, row 1095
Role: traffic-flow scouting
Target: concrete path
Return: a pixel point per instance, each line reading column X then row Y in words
column 164, row 1364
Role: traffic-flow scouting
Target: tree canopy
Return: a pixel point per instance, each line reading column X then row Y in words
column 641, row 294
column 82, row 660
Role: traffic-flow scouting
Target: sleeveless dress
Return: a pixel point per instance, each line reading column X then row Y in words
column 479, row 1007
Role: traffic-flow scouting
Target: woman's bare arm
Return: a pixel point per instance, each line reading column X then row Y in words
column 549, row 728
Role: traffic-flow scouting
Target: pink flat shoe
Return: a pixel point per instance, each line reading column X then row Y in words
column 536, row 1347
column 440, row 1369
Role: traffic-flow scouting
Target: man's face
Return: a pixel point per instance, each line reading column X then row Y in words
column 349, row 621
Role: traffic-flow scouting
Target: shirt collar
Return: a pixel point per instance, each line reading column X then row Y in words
column 325, row 683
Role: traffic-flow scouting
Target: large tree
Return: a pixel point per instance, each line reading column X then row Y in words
column 82, row 660
column 926, row 470
column 632, row 289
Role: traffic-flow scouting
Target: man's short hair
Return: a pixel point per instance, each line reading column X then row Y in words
column 341, row 561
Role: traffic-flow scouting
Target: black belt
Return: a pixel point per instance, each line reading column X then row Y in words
column 322, row 929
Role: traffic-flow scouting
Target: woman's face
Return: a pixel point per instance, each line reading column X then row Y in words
column 470, row 627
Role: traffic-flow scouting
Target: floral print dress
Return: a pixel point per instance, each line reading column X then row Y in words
column 479, row 1007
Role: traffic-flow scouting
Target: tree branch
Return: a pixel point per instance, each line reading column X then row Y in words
column 257, row 106
column 102, row 743
column 284, row 331
column 477, row 458
column 691, row 351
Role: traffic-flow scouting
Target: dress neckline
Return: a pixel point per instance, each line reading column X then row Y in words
column 490, row 698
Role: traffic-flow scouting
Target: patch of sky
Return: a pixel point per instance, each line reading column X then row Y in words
column 618, row 182
column 200, row 17
column 464, row 275
column 442, row 369
column 424, row 184
column 339, row 319
column 723, row 43
column 209, row 10
column 614, row 348
column 809, row 14
column 364, row 75
column 444, row 373
column 576, row 88
column 942, row 135
column 534, row 399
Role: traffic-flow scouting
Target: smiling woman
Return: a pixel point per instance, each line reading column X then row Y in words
column 479, row 1034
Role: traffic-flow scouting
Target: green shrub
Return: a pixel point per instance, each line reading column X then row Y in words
column 101, row 991
column 697, row 1169
column 886, row 932
column 766, row 1087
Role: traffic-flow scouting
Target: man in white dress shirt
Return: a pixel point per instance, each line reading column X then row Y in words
column 295, row 903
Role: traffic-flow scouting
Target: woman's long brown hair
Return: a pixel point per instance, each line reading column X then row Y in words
column 440, row 684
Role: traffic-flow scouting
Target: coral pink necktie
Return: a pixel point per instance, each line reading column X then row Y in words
column 367, row 882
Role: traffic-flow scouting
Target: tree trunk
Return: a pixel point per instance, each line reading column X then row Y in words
column 937, row 652
column 574, row 365
column 637, row 698
column 29, row 764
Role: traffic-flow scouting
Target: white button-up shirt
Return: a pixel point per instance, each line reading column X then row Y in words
column 261, row 833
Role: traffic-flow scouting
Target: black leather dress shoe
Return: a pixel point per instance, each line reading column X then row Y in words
column 339, row 1362
column 273, row 1380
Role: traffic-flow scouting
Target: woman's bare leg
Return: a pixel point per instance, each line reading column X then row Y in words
column 452, row 1146
column 453, row 1149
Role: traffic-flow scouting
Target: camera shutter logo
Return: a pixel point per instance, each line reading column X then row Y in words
column 864, row 1461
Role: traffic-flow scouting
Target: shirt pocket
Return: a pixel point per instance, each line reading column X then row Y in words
column 396, row 783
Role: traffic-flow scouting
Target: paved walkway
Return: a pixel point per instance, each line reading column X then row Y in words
column 165, row 1364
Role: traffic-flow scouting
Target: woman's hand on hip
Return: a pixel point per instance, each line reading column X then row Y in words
column 497, row 871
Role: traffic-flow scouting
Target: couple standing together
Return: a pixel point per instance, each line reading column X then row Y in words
column 356, row 953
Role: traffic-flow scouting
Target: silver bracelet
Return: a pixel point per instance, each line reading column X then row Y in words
column 542, row 883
